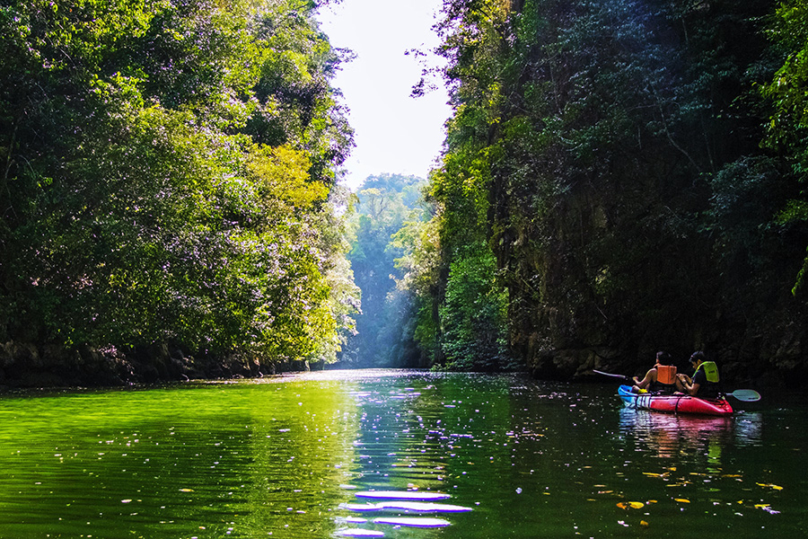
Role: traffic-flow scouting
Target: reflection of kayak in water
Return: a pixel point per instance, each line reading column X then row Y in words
column 675, row 404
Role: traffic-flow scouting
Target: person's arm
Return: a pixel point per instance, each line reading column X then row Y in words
column 682, row 381
column 645, row 382
column 692, row 388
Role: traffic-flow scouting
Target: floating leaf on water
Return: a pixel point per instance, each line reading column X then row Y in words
column 630, row 505
column 761, row 505
column 414, row 522
column 769, row 485
column 126, row 501
column 186, row 490
column 681, row 500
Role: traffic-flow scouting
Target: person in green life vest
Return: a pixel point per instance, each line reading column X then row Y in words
column 705, row 380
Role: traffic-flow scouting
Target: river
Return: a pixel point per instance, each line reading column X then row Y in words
column 294, row 457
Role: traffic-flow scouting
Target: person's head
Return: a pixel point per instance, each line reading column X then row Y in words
column 696, row 358
column 663, row 358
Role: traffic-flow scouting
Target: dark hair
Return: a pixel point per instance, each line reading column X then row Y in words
column 695, row 356
column 664, row 358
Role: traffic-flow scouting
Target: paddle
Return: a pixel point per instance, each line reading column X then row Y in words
column 620, row 376
column 743, row 395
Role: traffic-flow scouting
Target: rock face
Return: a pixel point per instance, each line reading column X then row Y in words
column 589, row 292
column 756, row 352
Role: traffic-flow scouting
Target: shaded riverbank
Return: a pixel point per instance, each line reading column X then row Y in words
column 28, row 366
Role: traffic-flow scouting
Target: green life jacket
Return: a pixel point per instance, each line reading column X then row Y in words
column 710, row 371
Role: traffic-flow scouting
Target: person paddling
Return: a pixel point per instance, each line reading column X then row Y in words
column 661, row 378
column 705, row 381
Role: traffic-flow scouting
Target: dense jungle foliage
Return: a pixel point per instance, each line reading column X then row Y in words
column 622, row 176
column 167, row 170
column 619, row 177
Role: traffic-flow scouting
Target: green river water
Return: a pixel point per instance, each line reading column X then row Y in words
column 280, row 458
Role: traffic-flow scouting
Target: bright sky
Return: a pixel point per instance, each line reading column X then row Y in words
column 394, row 132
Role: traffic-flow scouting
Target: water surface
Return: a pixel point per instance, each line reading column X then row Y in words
column 291, row 457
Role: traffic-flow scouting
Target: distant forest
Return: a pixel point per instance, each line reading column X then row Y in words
column 618, row 177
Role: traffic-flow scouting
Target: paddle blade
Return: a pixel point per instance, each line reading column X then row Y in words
column 620, row 376
column 745, row 395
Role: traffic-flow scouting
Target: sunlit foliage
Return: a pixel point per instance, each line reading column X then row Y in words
column 140, row 205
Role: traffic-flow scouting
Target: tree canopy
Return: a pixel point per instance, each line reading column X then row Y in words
column 167, row 167
column 634, row 169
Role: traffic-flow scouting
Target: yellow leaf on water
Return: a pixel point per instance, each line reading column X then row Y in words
column 186, row 490
column 651, row 501
column 644, row 524
column 681, row 500
column 775, row 487
column 761, row 505
column 630, row 505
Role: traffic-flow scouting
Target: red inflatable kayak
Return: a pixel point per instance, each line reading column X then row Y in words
column 674, row 404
